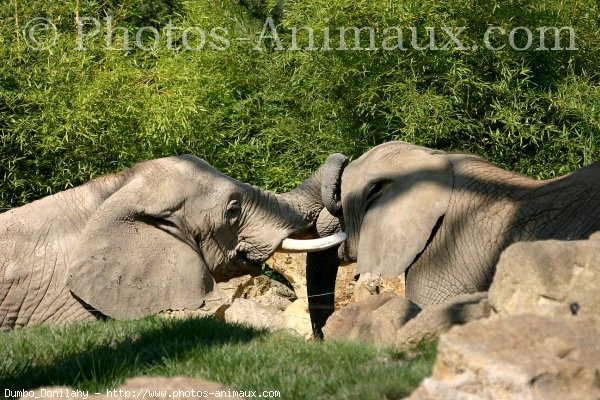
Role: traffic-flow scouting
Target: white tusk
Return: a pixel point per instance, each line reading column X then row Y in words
column 312, row 245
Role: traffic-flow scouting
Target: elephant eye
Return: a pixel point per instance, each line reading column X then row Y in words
column 375, row 190
column 233, row 212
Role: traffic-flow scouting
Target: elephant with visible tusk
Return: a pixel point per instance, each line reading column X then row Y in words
column 153, row 238
column 443, row 219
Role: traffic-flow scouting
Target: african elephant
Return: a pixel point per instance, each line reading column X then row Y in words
column 443, row 219
column 153, row 238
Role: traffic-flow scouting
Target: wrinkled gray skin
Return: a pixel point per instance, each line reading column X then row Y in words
column 443, row 219
column 155, row 237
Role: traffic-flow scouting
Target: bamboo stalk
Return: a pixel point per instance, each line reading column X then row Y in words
column 76, row 24
column 17, row 24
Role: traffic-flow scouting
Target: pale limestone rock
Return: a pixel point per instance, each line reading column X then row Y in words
column 522, row 357
column 390, row 320
column 297, row 319
column 595, row 236
column 374, row 320
column 555, row 278
column 250, row 313
column 293, row 268
column 230, row 290
column 269, row 292
column 369, row 284
column 436, row 319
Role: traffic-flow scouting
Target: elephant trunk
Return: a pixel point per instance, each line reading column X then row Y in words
column 320, row 195
column 320, row 190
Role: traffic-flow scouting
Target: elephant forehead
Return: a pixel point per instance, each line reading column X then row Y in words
column 192, row 167
column 395, row 149
column 206, row 177
column 174, row 183
column 396, row 163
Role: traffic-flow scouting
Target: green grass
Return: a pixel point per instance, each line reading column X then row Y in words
column 102, row 355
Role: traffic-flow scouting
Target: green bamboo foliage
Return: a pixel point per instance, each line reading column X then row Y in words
column 270, row 117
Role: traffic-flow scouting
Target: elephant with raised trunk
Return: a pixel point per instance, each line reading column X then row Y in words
column 443, row 219
column 153, row 238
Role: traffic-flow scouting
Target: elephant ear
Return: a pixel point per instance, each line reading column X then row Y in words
column 131, row 261
column 399, row 223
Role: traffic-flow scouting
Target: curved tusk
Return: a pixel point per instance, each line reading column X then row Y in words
column 312, row 245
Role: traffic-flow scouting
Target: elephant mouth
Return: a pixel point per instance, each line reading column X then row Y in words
column 240, row 264
column 236, row 265
column 246, row 259
column 250, row 256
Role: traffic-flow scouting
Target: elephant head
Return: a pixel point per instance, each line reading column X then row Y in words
column 153, row 238
column 381, row 196
column 393, row 197
column 443, row 219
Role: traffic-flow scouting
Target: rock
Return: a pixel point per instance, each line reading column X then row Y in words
column 260, row 289
column 345, row 285
column 556, row 278
column 158, row 388
column 297, row 319
column 293, row 268
column 236, row 287
column 395, row 285
column 595, row 236
column 374, row 320
column 250, row 313
column 270, row 293
column 231, row 290
column 434, row 320
column 387, row 319
column 366, row 286
column 294, row 319
column 371, row 284
column 519, row 357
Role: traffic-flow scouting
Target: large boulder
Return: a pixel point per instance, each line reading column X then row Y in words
column 294, row 319
column 555, row 278
column 434, row 320
column 520, row 357
column 389, row 320
column 157, row 388
column 374, row 320
column 257, row 301
column 267, row 304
